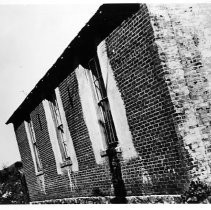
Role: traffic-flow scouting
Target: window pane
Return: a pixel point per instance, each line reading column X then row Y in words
column 38, row 162
column 97, row 89
column 101, row 95
column 32, row 133
column 34, row 144
column 59, row 128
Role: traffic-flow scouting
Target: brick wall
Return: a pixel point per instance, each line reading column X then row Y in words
column 161, row 66
column 183, row 40
column 78, row 130
column 54, row 186
column 27, row 161
column 138, row 70
column 90, row 175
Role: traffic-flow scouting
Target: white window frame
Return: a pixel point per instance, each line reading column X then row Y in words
column 33, row 145
column 98, row 98
column 56, row 115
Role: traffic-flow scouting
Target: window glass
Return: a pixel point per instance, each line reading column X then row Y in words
column 34, row 145
column 59, row 127
column 102, row 101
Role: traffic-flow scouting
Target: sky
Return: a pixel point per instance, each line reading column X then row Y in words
column 32, row 37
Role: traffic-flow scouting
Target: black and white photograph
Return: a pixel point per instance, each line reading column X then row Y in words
column 105, row 103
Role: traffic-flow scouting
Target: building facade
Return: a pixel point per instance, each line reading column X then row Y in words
column 125, row 110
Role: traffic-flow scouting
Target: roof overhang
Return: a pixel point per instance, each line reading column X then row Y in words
column 82, row 47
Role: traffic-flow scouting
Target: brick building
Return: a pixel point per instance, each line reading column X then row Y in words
column 125, row 110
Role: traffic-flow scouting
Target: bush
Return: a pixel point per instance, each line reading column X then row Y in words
column 13, row 188
column 198, row 192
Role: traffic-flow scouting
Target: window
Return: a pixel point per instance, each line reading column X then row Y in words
column 100, row 95
column 34, row 146
column 59, row 127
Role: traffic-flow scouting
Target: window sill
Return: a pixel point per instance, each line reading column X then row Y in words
column 39, row 173
column 103, row 153
column 118, row 149
column 66, row 163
